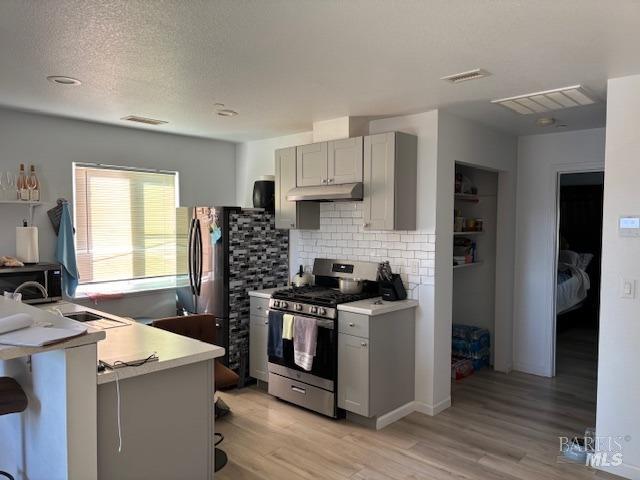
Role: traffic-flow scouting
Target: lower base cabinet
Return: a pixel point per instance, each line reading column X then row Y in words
column 258, row 338
column 376, row 362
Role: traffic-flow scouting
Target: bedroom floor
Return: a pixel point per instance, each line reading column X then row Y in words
column 500, row 427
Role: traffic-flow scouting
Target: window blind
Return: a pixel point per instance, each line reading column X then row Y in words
column 125, row 223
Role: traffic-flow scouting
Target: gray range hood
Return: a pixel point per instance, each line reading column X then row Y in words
column 327, row 193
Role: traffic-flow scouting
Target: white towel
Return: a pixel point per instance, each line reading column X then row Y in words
column 305, row 340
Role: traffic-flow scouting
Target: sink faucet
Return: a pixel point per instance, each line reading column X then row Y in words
column 43, row 290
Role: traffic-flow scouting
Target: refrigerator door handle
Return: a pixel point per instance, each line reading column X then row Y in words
column 191, row 257
column 199, row 258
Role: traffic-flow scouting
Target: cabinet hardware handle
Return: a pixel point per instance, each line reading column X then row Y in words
column 365, row 225
column 266, row 322
column 352, row 325
column 324, row 180
column 364, row 344
column 299, row 390
column 259, row 308
column 293, row 225
column 330, row 180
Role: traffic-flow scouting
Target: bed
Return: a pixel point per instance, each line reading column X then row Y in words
column 573, row 280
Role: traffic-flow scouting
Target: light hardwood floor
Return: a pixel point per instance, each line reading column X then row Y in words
column 500, row 427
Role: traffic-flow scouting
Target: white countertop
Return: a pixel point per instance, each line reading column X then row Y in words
column 135, row 339
column 376, row 306
column 10, row 307
column 266, row 293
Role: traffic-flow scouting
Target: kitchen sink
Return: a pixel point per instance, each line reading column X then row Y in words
column 83, row 316
column 94, row 320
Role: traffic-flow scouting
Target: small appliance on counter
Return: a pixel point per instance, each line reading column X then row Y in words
column 39, row 283
column 391, row 286
column 264, row 193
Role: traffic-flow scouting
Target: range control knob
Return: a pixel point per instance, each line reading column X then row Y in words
column 322, row 311
column 276, row 303
column 298, row 307
column 313, row 310
column 284, row 304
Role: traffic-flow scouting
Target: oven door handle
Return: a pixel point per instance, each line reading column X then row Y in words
column 321, row 322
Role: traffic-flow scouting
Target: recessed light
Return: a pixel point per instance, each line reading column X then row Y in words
column 226, row 112
column 218, row 105
column 61, row 80
column 545, row 121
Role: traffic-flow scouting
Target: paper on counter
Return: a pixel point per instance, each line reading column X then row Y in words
column 15, row 322
column 40, row 336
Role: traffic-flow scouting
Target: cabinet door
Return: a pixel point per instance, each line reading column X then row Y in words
column 312, row 164
column 379, row 182
column 345, row 160
column 258, row 358
column 353, row 374
column 285, row 181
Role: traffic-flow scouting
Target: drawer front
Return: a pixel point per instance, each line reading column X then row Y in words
column 353, row 324
column 259, row 306
column 302, row 394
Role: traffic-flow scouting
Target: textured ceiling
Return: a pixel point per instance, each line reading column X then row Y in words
column 286, row 63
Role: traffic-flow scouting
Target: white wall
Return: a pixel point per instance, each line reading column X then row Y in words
column 618, row 382
column 254, row 159
column 540, row 159
column 207, row 167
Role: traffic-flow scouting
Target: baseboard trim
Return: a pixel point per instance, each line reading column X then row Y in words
column 395, row 415
column 625, row 470
column 432, row 410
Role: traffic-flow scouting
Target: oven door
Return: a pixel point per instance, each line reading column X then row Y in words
column 324, row 370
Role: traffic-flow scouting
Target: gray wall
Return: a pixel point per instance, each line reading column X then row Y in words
column 207, row 167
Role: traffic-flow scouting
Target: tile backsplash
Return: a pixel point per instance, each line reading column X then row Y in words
column 341, row 236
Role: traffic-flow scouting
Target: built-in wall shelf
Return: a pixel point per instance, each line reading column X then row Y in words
column 474, row 232
column 467, row 197
column 27, row 203
column 467, row 265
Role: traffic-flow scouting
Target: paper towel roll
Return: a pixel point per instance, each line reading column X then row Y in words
column 27, row 244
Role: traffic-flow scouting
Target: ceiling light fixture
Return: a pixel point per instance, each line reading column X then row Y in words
column 548, row 100
column 545, row 121
column 226, row 112
column 62, row 80
column 145, row 120
column 464, row 76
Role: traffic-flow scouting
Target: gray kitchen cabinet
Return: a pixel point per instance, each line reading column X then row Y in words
column 353, row 376
column 258, row 336
column 303, row 215
column 390, row 184
column 312, row 164
column 376, row 362
column 344, row 161
column 327, row 163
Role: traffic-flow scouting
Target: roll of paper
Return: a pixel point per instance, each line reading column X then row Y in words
column 15, row 322
column 27, row 244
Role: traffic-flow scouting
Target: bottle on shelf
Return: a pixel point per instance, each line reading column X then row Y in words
column 34, row 185
column 21, row 185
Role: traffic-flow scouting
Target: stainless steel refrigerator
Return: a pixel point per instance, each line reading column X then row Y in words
column 225, row 252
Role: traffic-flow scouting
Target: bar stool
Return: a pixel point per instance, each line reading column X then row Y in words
column 12, row 400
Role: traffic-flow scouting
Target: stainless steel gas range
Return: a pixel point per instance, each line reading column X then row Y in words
column 317, row 389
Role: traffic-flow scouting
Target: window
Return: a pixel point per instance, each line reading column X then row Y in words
column 125, row 223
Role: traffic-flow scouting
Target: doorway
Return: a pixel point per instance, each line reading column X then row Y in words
column 578, row 256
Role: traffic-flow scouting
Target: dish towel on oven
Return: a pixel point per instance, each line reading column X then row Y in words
column 287, row 326
column 305, row 339
column 274, row 343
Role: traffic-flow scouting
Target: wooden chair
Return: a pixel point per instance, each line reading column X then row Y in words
column 12, row 400
column 203, row 327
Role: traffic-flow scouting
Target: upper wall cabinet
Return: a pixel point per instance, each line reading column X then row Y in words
column 390, row 171
column 292, row 214
column 334, row 162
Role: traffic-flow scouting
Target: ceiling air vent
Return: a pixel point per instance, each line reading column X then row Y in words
column 548, row 100
column 464, row 76
column 145, row 120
